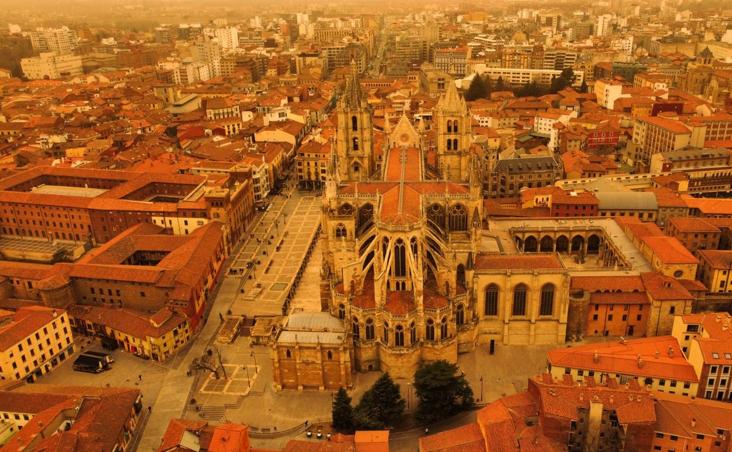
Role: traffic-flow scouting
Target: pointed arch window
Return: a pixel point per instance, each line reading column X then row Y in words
column 399, row 336
column 443, row 329
column 400, row 261
column 369, row 329
column 385, row 339
column 354, row 123
column 519, row 300
column 546, row 307
column 412, row 333
column 449, row 126
column 340, row 230
column 491, row 300
column 355, row 143
column 449, row 144
column 460, row 315
column 341, row 311
column 430, row 330
column 455, row 126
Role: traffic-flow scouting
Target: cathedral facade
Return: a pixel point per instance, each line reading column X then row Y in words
column 402, row 246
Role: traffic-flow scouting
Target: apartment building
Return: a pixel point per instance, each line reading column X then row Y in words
column 694, row 233
column 715, row 270
column 706, row 339
column 656, row 363
column 49, row 65
column 46, row 417
column 312, row 160
column 656, row 134
column 33, row 341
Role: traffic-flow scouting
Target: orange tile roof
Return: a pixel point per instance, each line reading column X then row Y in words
column 660, row 357
column 517, row 262
column 692, row 224
column 718, row 259
column 467, row 438
column 669, row 250
column 24, row 322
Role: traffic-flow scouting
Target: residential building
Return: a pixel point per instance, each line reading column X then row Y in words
column 715, row 270
column 50, row 65
column 44, row 417
column 33, row 341
column 707, row 343
column 656, row 363
column 61, row 41
column 694, row 233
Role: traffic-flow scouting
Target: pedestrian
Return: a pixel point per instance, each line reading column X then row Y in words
column 139, row 377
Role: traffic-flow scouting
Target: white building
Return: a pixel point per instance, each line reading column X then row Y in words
column 602, row 26
column 59, row 40
column 49, row 65
column 520, row 77
column 227, row 37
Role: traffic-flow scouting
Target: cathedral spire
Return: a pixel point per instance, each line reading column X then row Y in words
column 451, row 100
column 352, row 95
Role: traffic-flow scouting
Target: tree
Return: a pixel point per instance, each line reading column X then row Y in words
column 441, row 391
column 477, row 89
column 341, row 412
column 500, row 86
column 565, row 79
column 583, row 87
column 380, row 407
column 529, row 89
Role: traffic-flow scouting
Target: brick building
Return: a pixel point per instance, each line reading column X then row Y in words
column 89, row 205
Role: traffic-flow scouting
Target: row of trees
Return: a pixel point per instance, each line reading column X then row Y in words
column 482, row 87
column 441, row 392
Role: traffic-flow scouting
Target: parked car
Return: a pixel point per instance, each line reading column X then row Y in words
column 105, row 357
column 88, row 364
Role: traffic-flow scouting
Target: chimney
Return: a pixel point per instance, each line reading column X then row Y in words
column 640, row 362
column 670, row 352
column 596, row 357
column 693, row 422
column 658, row 354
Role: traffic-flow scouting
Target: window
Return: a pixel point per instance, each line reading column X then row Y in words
column 341, row 311
column 443, row 329
column 354, row 123
column 412, row 333
column 547, row 300
column 672, row 310
column 340, row 230
column 430, row 330
column 369, row 329
column 519, row 300
column 491, row 300
column 399, row 336
column 355, row 144
column 386, row 334
column 460, row 315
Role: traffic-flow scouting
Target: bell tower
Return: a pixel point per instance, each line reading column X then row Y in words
column 453, row 136
column 354, row 140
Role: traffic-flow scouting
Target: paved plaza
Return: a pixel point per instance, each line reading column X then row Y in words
column 273, row 275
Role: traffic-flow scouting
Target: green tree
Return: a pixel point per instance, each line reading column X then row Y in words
column 500, row 86
column 341, row 412
column 477, row 89
column 380, row 407
column 530, row 89
column 565, row 79
column 441, row 391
